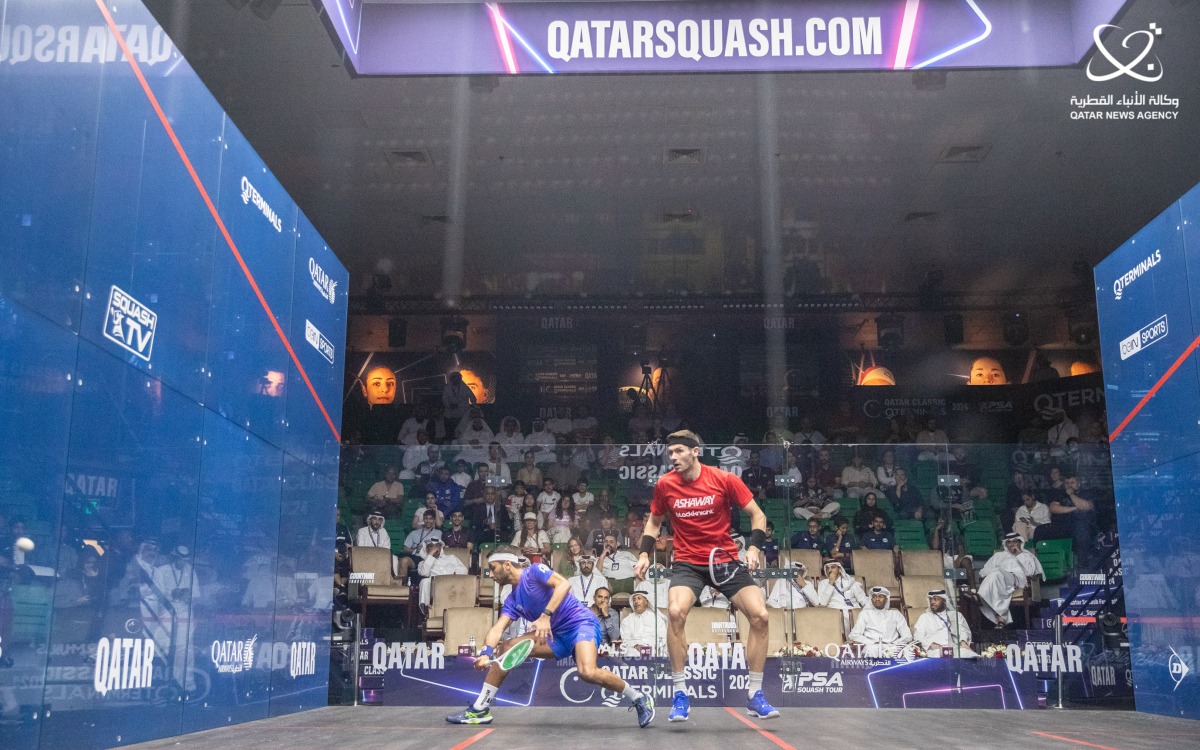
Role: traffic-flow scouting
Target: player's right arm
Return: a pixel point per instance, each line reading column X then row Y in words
column 651, row 529
column 492, row 640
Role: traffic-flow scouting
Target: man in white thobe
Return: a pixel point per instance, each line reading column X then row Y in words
column 437, row 562
column 882, row 630
column 585, row 583
column 643, row 626
column 1006, row 572
column 840, row 591
column 942, row 627
column 794, row 593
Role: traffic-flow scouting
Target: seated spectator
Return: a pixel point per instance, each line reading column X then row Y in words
column 878, row 537
column 437, row 562
column 547, row 499
column 562, row 522
column 462, row 474
column 793, row 593
column 490, row 520
column 568, row 564
column 904, row 497
column 582, row 498
column 839, row 591
column 610, row 621
column 758, row 478
column 772, row 456
column 516, row 498
column 1008, row 571
column 417, row 423
column 373, row 534
column 560, row 424
column 610, row 458
column 475, row 431
column 475, row 489
column 857, row 479
column 415, row 455
column 828, row 476
column 563, row 472
column 814, row 502
column 584, row 425
column 958, row 499
column 600, row 508
column 447, row 492
column 1061, row 428
column 497, row 463
column 808, row 433
column 881, row 630
column 810, row 539
column 840, row 542
column 961, row 465
column 583, row 456
column 428, row 469
column 941, row 627
column 658, row 584
column 529, row 504
column 457, row 536
column 595, row 540
column 1030, row 516
column 864, row 519
column 634, row 524
column 885, row 473
column 1073, row 517
column 533, row 542
column 430, row 504
column 414, row 544
column 1053, row 485
column 770, row 548
column 511, row 439
column 474, row 452
column 933, row 442
column 529, row 474
column 793, row 470
column 845, row 426
column 616, row 562
column 587, row 581
column 643, row 627
column 541, row 443
column 1016, row 489
column 387, row 495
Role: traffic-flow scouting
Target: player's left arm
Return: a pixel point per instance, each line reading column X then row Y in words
column 562, row 589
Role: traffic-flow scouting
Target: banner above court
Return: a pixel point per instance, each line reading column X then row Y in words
column 648, row 36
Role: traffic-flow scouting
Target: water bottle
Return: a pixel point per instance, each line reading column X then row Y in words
column 471, row 645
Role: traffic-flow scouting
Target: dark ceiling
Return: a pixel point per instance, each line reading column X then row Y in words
column 882, row 176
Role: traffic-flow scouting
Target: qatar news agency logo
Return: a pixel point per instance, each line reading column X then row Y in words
column 1138, row 68
column 1126, row 55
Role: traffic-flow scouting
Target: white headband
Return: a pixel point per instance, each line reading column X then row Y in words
column 507, row 557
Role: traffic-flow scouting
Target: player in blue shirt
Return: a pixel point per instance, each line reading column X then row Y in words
column 562, row 627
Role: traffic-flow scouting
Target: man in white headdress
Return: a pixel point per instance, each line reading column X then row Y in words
column 943, row 627
column 1008, row 571
column 659, row 584
column 793, row 593
column 882, row 630
column 643, row 626
column 437, row 562
column 585, row 583
column 839, row 591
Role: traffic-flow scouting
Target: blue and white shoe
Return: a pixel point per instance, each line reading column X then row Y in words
column 758, row 707
column 471, row 716
column 645, row 710
column 680, row 707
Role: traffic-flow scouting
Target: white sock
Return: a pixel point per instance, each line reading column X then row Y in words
column 631, row 692
column 755, row 682
column 485, row 697
column 680, row 683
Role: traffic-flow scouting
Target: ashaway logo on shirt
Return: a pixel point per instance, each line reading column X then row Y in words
column 123, row 664
column 233, row 657
column 687, row 507
column 129, row 324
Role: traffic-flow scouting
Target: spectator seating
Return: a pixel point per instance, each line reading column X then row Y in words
column 914, row 590
column 910, row 534
column 922, row 563
column 979, row 537
column 448, row 592
column 778, row 633
column 460, row 624
column 811, row 559
column 817, row 626
column 708, row 625
column 1056, row 556
column 381, row 586
column 461, row 553
column 876, row 567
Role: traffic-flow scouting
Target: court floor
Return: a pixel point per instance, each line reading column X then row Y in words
column 373, row 728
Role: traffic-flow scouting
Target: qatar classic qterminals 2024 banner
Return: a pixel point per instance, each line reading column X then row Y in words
column 664, row 37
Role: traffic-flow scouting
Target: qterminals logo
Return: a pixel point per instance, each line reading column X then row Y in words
column 1135, row 273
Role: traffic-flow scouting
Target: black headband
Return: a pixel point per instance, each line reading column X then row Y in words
column 683, row 440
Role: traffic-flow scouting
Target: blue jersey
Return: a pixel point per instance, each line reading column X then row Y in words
column 531, row 595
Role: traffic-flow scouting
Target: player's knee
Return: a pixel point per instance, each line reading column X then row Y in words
column 677, row 616
column 759, row 620
column 589, row 672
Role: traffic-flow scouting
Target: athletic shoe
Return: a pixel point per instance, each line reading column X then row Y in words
column 760, row 709
column 471, row 716
column 645, row 710
column 680, row 707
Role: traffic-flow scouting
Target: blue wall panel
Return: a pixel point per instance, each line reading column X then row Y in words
column 156, row 441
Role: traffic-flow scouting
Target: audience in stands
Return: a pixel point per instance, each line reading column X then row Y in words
column 457, row 400
column 511, row 439
column 568, row 560
column 1030, row 515
column 457, row 536
column 517, row 498
column 411, row 429
column 387, row 495
column 810, row 538
column 864, row 519
column 885, row 473
column 643, row 629
column 373, row 534
column 808, row 433
column 532, row 541
column 770, row 548
column 541, row 443
column 548, row 498
column 942, row 628
column 595, row 540
column 840, row 542
column 857, row 479
column 610, row 458
column 562, row 523
column 840, row 591
column 1073, row 517
column 878, row 537
column 904, row 497
column 587, row 581
column 814, row 502
column 490, row 519
column 430, row 504
column 437, row 562
column 497, row 463
column 582, row 498
column 564, row 473
column 610, row 621
column 616, row 563
column 1007, row 572
column 882, row 631
column 828, row 476
column 462, row 474
column 758, row 478
column 529, row 474
column 414, row 543
column 445, row 490
column 414, row 455
column 793, row 593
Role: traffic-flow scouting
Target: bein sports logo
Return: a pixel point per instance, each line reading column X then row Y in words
column 1154, row 71
column 318, row 341
column 233, row 657
column 1135, row 273
column 130, row 324
column 325, row 285
column 1151, row 334
column 1177, row 667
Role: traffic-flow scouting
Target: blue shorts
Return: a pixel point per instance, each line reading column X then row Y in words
column 562, row 642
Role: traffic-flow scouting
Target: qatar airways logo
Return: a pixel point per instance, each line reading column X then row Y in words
column 1135, row 273
column 325, row 285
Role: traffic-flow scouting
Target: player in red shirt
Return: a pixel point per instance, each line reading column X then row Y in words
column 698, row 499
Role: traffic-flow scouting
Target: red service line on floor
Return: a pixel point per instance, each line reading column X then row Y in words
column 733, row 712
column 472, row 739
column 1150, row 393
column 1075, row 742
column 212, row 209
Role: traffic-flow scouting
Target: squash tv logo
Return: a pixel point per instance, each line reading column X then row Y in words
column 129, row 324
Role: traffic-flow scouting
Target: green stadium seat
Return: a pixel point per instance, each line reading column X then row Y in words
column 980, row 539
column 1057, row 557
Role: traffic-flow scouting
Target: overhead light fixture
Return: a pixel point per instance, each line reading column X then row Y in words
column 1016, row 329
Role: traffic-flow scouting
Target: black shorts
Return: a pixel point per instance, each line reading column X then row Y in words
column 697, row 577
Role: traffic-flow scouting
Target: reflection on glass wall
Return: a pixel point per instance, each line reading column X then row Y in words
column 156, row 437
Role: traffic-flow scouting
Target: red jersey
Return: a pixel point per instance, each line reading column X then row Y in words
column 699, row 511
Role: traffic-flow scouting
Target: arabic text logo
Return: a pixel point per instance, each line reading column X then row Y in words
column 1153, row 70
